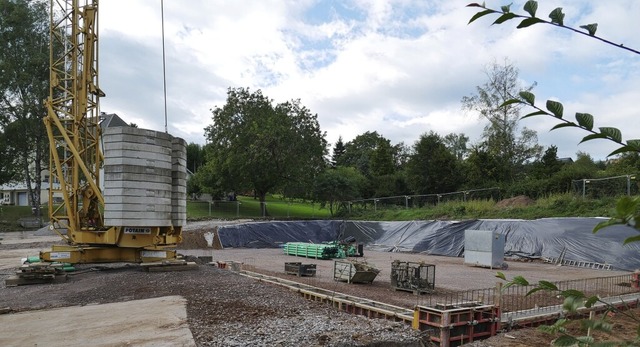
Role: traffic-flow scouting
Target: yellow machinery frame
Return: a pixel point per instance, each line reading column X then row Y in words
column 73, row 128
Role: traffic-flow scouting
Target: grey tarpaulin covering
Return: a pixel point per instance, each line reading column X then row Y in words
column 273, row 234
column 548, row 237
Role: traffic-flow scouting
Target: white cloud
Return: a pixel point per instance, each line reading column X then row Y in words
column 396, row 67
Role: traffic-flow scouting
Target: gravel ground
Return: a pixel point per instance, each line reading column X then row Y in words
column 223, row 308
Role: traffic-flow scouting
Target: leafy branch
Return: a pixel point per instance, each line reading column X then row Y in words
column 556, row 16
column 627, row 208
column 583, row 121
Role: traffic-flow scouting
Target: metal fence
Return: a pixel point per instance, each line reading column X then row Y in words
column 419, row 201
column 607, row 186
column 255, row 209
column 515, row 298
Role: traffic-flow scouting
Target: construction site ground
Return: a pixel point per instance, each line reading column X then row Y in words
column 222, row 308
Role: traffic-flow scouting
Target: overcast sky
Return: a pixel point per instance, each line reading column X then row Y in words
column 398, row 67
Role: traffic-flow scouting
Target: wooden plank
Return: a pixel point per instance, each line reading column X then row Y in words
column 172, row 267
column 14, row 281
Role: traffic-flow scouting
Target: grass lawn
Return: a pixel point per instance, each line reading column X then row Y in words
column 248, row 207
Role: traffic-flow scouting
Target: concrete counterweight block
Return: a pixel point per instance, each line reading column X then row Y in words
column 144, row 178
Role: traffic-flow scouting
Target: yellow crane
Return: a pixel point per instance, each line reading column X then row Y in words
column 76, row 154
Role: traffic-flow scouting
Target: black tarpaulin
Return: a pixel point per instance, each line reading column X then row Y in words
column 571, row 238
column 273, row 234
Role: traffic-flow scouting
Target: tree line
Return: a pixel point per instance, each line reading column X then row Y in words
column 257, row 147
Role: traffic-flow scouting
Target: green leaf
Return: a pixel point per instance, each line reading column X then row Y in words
column 501, row 276
column 520, row 281
column 572, row 293
column 505, row 17
column 631, row 239
column 572, row 303
column 529, row 97
column 592, row 300
column 474, row 4
column 585, row 120
column 564, row 125
column 555, row 107
column 623, row 149
column 506, row 8
column 546, row 285
column 612, row 133
column 531, row 7
column 510, row 101
column 557, row 17
column 605, row 224
column 592, row 137
column 591, row 28
column 480, row 14
column 529, row 22
column 536, row 289
column 626, row 206
column 537, row 113
column 585, row 340
column 635, row 144
column 565, row 341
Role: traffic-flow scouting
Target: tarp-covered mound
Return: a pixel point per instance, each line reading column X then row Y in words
column 274, row 234
column 550, row 237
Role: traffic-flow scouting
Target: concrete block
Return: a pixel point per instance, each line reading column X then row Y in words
column 142, row 139
column 134, row 208
column 179, row 174
column 136, row 161
column 109, row 200
column 138, row 155
column 136, row 177
column 137, row 169
column 140, row 185
column 136, row 131
column 140, row 192
column 113, row 148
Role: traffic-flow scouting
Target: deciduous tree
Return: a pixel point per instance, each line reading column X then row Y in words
column 339, row 185
column 24, row 81
column 502, row 136
column 254, row 144
column 432, row 168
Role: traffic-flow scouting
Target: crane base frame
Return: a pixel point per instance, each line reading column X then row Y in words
column 106, row 254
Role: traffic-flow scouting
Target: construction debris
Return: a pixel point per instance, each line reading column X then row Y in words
column 32, row 272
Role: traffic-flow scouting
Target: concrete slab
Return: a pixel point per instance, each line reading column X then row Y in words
column 156, row 322
column 10, row 258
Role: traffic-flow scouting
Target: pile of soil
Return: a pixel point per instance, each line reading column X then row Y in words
column 516, row 201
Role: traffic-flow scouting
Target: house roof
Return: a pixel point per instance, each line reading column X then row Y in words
column 109, row 120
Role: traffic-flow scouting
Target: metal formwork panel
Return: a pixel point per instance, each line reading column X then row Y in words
column 455, row 325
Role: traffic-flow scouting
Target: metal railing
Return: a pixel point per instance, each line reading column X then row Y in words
column 515, row 298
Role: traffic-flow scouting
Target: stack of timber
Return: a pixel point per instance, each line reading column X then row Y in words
column 39, row 273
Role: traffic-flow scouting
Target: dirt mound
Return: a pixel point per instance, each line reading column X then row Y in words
column 516, row 201
column 194, row 239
